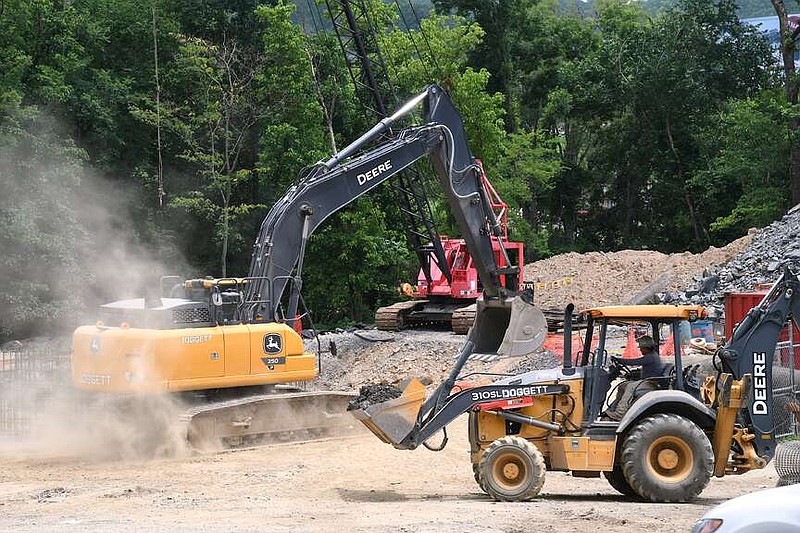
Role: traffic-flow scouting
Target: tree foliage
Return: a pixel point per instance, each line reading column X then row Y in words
column 603, row 125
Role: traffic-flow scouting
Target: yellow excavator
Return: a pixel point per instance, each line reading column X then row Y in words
column 229, row 349
column 674, row 436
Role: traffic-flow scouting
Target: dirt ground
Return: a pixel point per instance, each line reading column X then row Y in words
column 351, row 484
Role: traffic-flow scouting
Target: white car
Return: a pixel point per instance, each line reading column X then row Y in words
column 766, row 511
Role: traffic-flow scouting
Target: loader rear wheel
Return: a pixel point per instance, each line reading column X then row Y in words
column 667, row 458
column 476, row 471
column 616, row 478
column 512, row 469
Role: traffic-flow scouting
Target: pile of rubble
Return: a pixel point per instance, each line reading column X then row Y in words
column 645, row 276
column 586, row 280
column 759, row 263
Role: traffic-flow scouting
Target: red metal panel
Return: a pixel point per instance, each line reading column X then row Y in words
column 738, row 304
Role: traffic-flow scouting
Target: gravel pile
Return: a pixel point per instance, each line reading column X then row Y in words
column 426, row 355
column 590, row 279
column 371, row 356
column 758, row 263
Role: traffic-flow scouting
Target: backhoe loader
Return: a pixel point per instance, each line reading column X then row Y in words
column 229, row 347
column 666, row 447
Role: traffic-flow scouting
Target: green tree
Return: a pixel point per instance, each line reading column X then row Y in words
column 292, row 135
column 40, row 225
column 745, row 183
column 215, row 121
column 647, row 92
column 788, row 50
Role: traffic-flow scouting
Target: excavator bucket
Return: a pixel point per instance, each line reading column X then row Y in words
column 508, row 328
column 393, row 420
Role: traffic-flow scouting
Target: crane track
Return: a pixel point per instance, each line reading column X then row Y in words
column 463, row 319
column 394, row 317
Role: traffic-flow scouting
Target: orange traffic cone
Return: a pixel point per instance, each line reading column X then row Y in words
column 631, row 350
column 669, row 346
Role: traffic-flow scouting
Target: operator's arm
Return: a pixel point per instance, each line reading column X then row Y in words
column 640, row 361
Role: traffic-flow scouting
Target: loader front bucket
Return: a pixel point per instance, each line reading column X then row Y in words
column 510, row 327
column 393, row 420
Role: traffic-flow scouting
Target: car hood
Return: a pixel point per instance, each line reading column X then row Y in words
column 776, row 506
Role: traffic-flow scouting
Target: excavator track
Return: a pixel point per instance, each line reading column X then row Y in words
column 269, row 418
column 463, row 318
column 394, row 317
column 426, row 314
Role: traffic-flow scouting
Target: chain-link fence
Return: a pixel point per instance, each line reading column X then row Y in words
column 786, row 388
column 786, row 400
column 29, row 376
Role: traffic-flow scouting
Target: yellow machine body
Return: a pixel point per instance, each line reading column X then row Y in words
column 568, row 452
column 122, row 359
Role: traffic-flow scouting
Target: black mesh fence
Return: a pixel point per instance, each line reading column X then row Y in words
column 786, row 388
column 30, row 374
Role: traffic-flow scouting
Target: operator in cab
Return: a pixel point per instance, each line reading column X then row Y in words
column 628, row 391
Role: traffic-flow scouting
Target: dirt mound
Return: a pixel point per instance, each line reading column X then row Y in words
column 616, row 278
column 590, row 279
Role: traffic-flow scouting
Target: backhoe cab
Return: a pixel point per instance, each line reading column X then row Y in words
column 664, row 449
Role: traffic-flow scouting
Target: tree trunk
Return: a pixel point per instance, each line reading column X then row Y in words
column 160, row 169
column 788, row 38
column 687, row 196
column 327, row 111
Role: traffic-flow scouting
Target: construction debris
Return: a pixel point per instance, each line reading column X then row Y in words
column 372, row 394
column 757, row 263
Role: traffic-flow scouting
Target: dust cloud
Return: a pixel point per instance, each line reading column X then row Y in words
column 69, row 241
column 72, row 425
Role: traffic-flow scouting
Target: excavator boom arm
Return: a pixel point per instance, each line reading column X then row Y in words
column 333, row 184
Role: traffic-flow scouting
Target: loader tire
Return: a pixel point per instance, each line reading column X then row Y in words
column 667, row 458
column 511, row 470
column 616, row 478
column 476, row 471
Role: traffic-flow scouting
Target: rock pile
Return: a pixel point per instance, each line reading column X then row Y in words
column 624, row 277
column 758, row 263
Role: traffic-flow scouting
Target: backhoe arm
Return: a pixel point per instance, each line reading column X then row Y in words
column 751, row 350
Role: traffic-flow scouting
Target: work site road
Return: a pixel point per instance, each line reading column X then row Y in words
column 352, row 484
